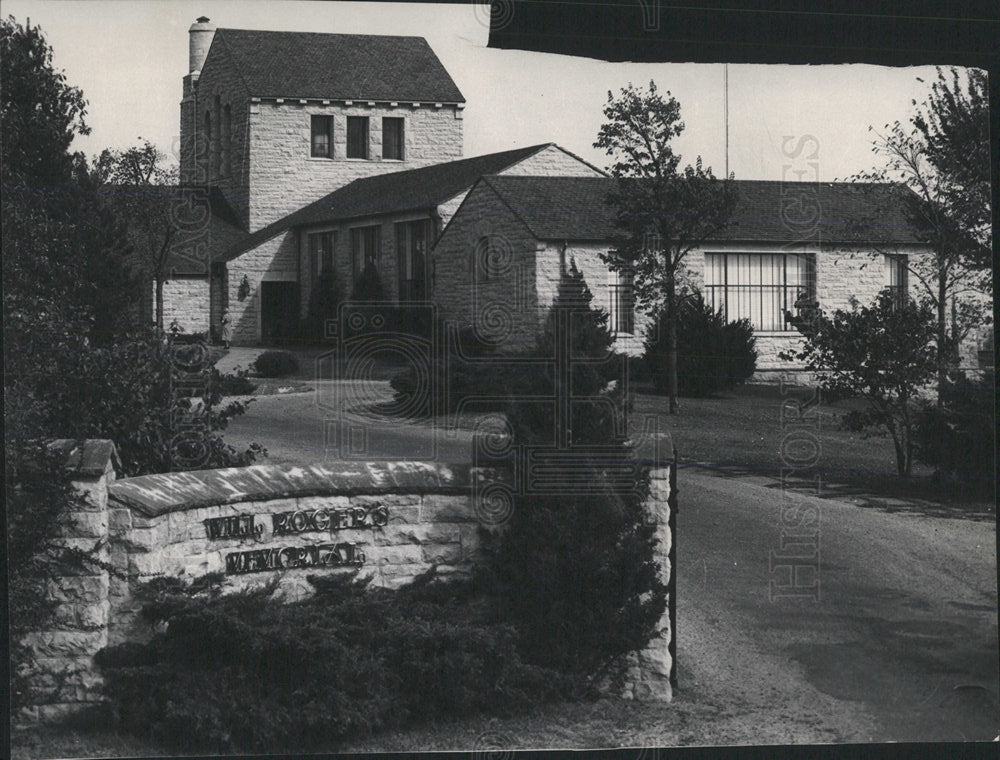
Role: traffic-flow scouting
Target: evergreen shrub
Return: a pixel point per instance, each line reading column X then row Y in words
column 574, row 568
column 713, row 355
column 245, row 672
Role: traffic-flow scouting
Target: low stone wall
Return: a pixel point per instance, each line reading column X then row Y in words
column 390, row 521
column 63, row 677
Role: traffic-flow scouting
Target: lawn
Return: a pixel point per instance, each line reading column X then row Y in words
column 746, row 432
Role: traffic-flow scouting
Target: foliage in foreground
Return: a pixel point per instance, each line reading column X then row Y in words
column 245, row 672
column 959, row 438
column 574, row 569
column 885, row 355
column 712, row 355
column 38, row 494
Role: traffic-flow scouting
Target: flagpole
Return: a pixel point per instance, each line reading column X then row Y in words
column 725, row 100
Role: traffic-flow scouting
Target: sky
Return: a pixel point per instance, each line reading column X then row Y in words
column 129, row 57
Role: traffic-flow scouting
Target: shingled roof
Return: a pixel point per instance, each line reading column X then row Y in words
column 337, row 66
column 576, row 208
column 394, row 192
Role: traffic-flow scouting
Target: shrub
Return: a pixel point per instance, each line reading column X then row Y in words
column 574, row 568
column 456, row 379
column 245, row 672
column 368, row 286
column 324, row 302
column 712, row 355
column 235, row 383
column 275, row 364
column 883, row 354
column 959, row 439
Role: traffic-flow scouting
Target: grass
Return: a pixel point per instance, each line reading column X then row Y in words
column 742, row 433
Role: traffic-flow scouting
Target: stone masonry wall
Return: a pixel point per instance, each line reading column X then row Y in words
column 504, row 307
column 552, row 161
column 186, row 300
column 274, row 259
column 390, row 521
column 283, row 176
column 64, row 678
column 219, row 78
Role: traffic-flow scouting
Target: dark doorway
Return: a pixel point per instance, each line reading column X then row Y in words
column 279, row 310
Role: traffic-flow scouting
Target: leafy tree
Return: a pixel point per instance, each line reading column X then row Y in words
column 954, row 125
column 883, row 354
column 940, row 157
column 712, row 355
column 574, row 569
column 142, row 189
column 663, row 213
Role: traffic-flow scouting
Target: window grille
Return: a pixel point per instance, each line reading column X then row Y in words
column 760, row 287
column 622, row 304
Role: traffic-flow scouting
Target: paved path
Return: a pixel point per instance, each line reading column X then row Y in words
column 899, row 645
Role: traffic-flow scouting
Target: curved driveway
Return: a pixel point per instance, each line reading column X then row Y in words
column 899, row 645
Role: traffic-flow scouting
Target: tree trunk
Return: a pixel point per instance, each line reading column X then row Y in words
column 943, row 351
column 159, row 303
column 672, row 345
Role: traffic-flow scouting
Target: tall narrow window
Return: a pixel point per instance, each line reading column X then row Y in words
column 227, row 141
column 357, row 137
column 206, row 146
column 761, row 287
column 392, row 138
column 412, row 241
column 216, row 139
column 321, row 247
column 622, row 306
column 896, row 276
column 322, row 137
column 364, row 248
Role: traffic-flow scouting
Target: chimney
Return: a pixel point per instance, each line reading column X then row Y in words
column 200, row 40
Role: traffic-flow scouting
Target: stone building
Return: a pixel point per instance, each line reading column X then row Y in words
column 498, row 262
column 308, row 151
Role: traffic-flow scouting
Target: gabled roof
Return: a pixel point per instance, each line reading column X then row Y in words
column 337, row 66
column 410, row 190
column 576, row 208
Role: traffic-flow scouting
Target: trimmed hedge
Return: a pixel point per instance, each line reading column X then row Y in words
column 244, row 672
column 275, row 364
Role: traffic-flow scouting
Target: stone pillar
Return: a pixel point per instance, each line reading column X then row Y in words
column 63, row 674
column 649, row 670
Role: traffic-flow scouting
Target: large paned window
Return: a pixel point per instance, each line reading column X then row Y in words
column 760, row 287
column 322, row 137
column 357, row 137
column 621, row 309
column 413, row 239
column 392, row 138
column 364, row 249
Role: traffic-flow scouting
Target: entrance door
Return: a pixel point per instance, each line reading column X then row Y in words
column 279, row 310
